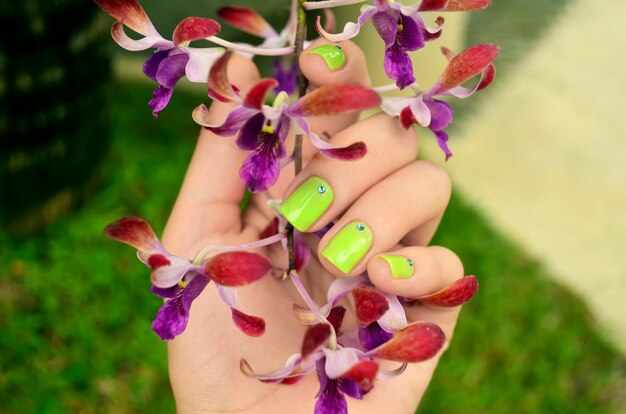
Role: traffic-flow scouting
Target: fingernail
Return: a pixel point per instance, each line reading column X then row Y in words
column 307, row 203
column 333, row 55
column 349, row 246
column 400, row 266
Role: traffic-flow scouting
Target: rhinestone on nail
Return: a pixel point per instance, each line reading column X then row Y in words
column 410, row 262
column 321, row 189
column 360, row 227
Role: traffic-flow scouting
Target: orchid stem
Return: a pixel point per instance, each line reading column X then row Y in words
column 297, row 150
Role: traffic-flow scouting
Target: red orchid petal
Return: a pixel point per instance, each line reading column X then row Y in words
column 130, row 13
column 195, row 28
column 489, row 75
column 465, row 5
column 218, row 83
column 315, row 337
column 407, row 118
column 256, row 96
column 248, row 324
column 370, row 305
column 363, row 374
column 466, row 65
column 158, row 260
column 271, row 229
column 335, row 99
column 292, row 380
column 417, row 342
column 432, row 5
column 335, row 317
column 133, row 231
column 455, row 294
column 246, row 20
column 352, row 152
column 237, row 268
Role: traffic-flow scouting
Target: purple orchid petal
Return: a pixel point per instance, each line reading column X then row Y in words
column 160, row 98
column 395, row 318
column 387, row 27
column 171, row 69
column 248, row 137
column 128, row 43
column 372, row 336
column 151, row 65
column 166, row 293
column 398, row 66
column 410, row 37
column 440, row 113
column 233, row 123
column 287, row 77
column 339, row 361
column 350, row 30
column 351, row 389
column 363, row 375
column 171, row 319
column 442, row 140
column 259, row 171
column 330, row 399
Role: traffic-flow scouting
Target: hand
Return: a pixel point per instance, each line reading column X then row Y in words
column 400, row 200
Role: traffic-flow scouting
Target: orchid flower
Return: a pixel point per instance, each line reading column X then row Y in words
column 348, row 367
column 249, row 21
column 262, row 129
column 424, row 110
column 181, row 281
column 172, row 59
column 402, row 28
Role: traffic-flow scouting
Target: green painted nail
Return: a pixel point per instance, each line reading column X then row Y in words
column 349, row 246
column 401, row 267
column 307, row 203
column 332, row 54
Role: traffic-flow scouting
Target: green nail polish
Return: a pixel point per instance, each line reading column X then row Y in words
column 307, row 203
column 332, row 54
column 349, row 246
column 401, row 267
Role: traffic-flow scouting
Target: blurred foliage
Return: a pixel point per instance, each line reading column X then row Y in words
column 75, row 309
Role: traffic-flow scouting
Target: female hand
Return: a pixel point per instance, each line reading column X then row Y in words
column 398, row 201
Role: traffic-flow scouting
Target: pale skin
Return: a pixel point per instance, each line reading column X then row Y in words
column 401, row 199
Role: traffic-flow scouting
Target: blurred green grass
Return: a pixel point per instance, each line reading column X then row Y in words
column 75, row 309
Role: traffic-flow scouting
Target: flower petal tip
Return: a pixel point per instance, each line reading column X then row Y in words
column 417, row 342
column 370, row 305
column 248, row 324
column 237, row 268
column 352, row 152
column 133, row 231
column 455, row 294
column 195, row 28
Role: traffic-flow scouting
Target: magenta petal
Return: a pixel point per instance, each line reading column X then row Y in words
column 334, row 99
column 372, row 336
column 442, row 141
column 248, row 324
column 195, row 28
column 135, row 232
column 386, row 26
column 130, row 13
column 171, row 69
column 335, row 317
column 455, row 294
column 259, row 171
column 440, row 114
column 171, row 319
column 410, row 37
column 314, row 338
column 330, row 400
column 160, row 98
column 151, row 65
column 432, row 5
column 287, row 76
column 233, row 123
column 302, row 252
column 417, row 342
column 398, row 66
column 246, row 20
column 407, row 118
column 237, row 268
column 363, row 374
column 248, row 137
column 465, row 66
column 352, row 152
column 256, row 96
column 369, row 304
